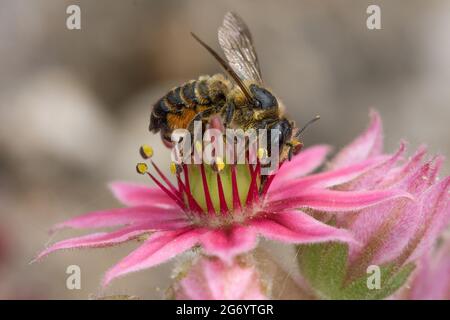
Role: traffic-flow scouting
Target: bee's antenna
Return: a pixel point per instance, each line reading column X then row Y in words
column 307, row 125
column 227, row 68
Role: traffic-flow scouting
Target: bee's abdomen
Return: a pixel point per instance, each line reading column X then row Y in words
column 181, row 104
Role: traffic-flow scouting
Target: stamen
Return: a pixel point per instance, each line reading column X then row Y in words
column 198, row 146
column 176, row 169
column 219, row 165
column 167, row 181
column 269, row 182
column 223, row 202
column 257, row 173
column 262, row 153
column 173, row 168
column 234, row 186
column 193, row 204
column 209, row 203
column 186, row 177
column 252, row 194
column 146, row 151
column 141, row 168
column 167, row 191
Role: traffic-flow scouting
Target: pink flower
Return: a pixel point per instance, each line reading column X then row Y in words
column 395, row 235
column 432, row 279
column 224, row 211
column 212, row 279
column 396, row 230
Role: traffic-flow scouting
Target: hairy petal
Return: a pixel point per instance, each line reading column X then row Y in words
column 303, row 163
column 331, row 200
column 298, row 227
column 395, row 228
column 132, row 194
column 380, row 175
column 412, row 164
column 326, row 179
column 406, row 222
column 432, row 279
column 160, row 217
column 436, row 217
column 227, row 243
column 368, row 144
column 386, row 229
column 160, row 247
column 212, row 279
column 97, row 240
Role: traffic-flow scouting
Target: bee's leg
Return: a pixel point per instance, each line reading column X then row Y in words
column 228, row 112
column 290, row 153
column 294, row 147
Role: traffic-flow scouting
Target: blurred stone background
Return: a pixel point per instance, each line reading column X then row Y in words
column 75, row 104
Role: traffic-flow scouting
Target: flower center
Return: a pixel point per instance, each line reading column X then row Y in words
column 212, row 195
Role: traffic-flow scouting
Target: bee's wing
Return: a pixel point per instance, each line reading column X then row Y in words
column 236, row 42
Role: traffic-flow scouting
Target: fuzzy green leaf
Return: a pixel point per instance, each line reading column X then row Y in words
column 324, row 266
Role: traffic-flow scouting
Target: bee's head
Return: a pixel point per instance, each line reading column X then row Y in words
column 262, row 98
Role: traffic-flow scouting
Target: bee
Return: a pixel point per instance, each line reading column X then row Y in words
column 241, row 102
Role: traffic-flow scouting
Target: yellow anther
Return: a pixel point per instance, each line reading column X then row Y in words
column 146, row 151
column 141, row 168
column 262, row 153
column 173, row 167
column 198, row 146
column 220, row 165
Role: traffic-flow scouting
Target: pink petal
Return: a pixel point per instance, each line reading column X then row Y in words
column 418, row 181
column 212, row 279
column 193, row 287
column 97, row 240
column 326, row 179
column 373, row 179
column 331, row 200
column 217, row 270
column 432, row 279
column 436, row 217
column 413, row 163
column 383, row 174
column 160, row 217
column 388, row 228
column 298, row 227
column 227, row 243
column 131, row 194
column 387, row 175
column 368, row 144
column 437, row 165
column 160, row 247
column 303, row 163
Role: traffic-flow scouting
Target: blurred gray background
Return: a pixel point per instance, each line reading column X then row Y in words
column 75, row 104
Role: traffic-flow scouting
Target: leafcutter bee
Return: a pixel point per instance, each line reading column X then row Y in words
column 242, row 100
